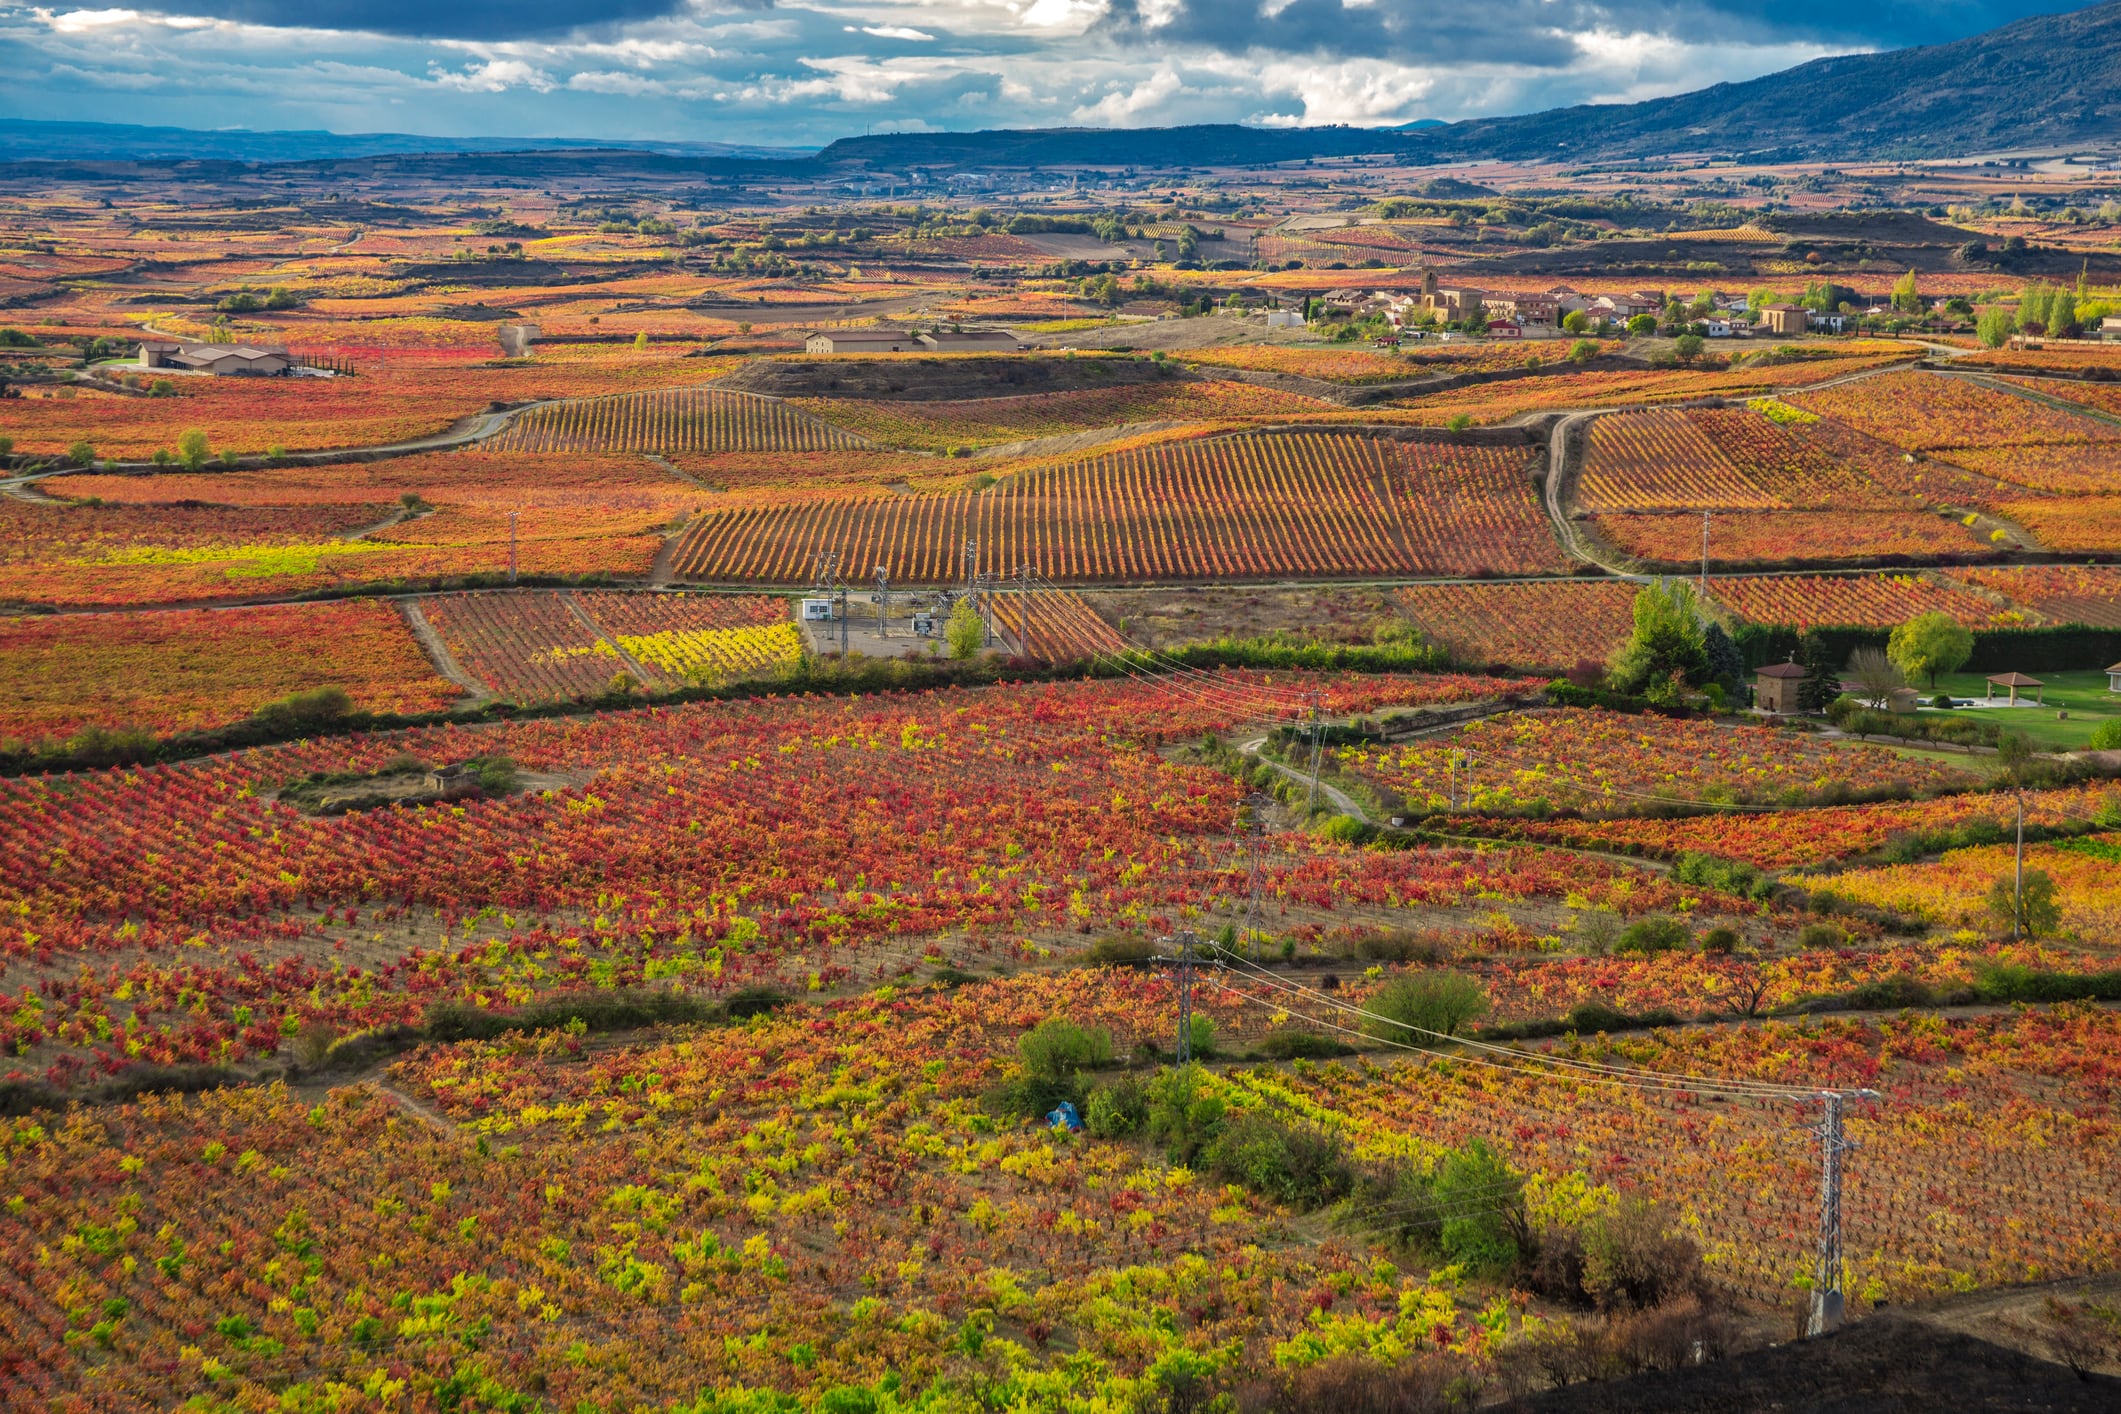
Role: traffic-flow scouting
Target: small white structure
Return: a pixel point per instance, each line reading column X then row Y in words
column 1716, row 328
column 817, row 611
column 2113, row 678
column 1285, row 319
column 860, row 341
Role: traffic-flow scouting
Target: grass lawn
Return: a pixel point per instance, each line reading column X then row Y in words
column 2083, row 695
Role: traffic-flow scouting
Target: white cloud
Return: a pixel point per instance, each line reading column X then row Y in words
column 493, row 76
column 1116, row 108
column 615, row 81
column 890, row 31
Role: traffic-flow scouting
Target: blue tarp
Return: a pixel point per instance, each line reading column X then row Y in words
column 1066, row 1117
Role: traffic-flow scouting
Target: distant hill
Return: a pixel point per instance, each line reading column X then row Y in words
column 2052, row 80
column 1205, row 145
column 22, row 139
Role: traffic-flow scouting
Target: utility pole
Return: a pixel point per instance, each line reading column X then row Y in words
column 883, row 600
column 511, row 547
column 1187, row 940
column 1704, row 557
column 1318, row 741
column 1827, row 1297
column 1256, row 871
column 1023, row 610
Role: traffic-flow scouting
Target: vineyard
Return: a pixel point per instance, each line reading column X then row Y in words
column 1771, row 538
column 1604, row 763
column 193, row 669
column 2087, row 525
column 670, row 420
column 1933, row 412
column 979, row 422
column 1055, row 625
column 1554, row 626
column 533, row 646
column 1236, row 507
column 173, row 537
column 2065, row 594
column 1865, row 601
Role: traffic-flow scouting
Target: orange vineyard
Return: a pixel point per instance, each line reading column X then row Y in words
column 671, row 420
column 1237, row 507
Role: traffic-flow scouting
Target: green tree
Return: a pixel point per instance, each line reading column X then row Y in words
column 1439, row 1002
column 1688, row 346
column 192, row 449
column 1485, row 1199
column 1906, row 298
column 2034, row 911
column 640, row 341
column 1575, row 322
column 1994, row 326
column 1643, row 324
column 1669, row 638
column 1821, row 683
column 964, row 632
column 81, row 453
column 1582, row 351
column 1930, row 644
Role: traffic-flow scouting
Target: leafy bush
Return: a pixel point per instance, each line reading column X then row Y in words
column 1730, row 876
column 1654, row 935
column 1420, row 1006
column 1121, row 952
column 2032, row 909
column 1116, row 1108
column 1816, row 936
column 1301, row 1167
column 1182, row 1119
column 2106, row 736
column 1056, row 1049
column 1720, row 940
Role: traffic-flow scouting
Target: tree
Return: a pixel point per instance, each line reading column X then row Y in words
column 640, row 341
column 192, row 449
column 1425, row 1002
column 1877, row 677
column 1669, row 639
column 1643, row 324
column 1994, row 327
column 964, row 632
column 1821, row 683
column 1485, row 1197
column 2033, row 911
column 1583, row 350
column 1906, row 298
column 1930, row 644
column 1726, row 663
column 81, row 453
column 1687, row 346
column 1576, row 322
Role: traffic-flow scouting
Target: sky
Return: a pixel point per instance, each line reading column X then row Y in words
column 803, row 72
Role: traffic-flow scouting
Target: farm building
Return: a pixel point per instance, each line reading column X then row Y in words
column 1786, row 319
column 1775, row 688
column 225, row 360
column 860, row 341
column 971, row 341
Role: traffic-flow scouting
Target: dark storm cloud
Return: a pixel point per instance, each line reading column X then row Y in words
column 1538, row 33
column 435, row 19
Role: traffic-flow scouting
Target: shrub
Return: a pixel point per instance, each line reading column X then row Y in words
column 1484, row 1199
column 1057, row 1048
column 1301, row 1167
column 1121, row 952
column 1200, row 1036
column 1182, row 1119
column 1654, row 935
column 1634, row 1261
column 304, row 711
column 1116, row 1108
column 2107, row 735
column 1815, row 936
column 1424, row 1005
column 1720, row 940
